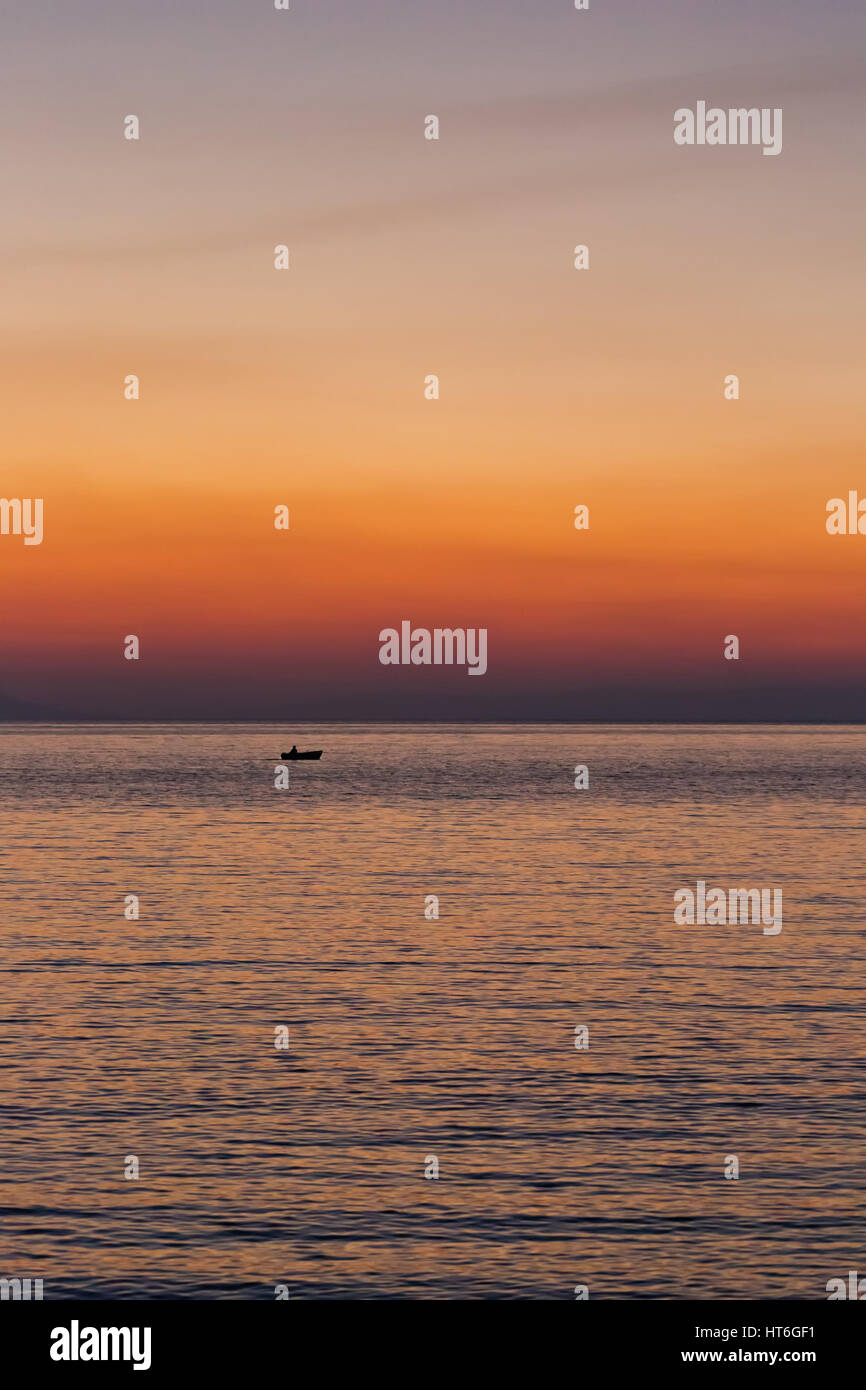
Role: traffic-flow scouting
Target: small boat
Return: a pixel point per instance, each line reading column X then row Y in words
column 294, row 756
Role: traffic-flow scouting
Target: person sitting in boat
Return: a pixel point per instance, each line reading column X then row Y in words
column 293, row 750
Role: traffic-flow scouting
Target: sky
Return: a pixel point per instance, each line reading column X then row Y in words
column 412, row 257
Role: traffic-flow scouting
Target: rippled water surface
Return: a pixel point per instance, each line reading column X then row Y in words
column 412, row 1038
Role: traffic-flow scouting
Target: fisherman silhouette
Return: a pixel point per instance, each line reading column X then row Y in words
column 311, row 755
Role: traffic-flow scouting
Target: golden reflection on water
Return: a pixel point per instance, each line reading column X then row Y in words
column 410, row 1037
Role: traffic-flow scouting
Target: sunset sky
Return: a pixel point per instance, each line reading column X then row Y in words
column 411, row 257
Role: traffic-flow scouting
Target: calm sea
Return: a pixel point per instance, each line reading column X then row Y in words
column 412, row 1039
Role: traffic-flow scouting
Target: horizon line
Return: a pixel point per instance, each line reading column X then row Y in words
column 477, row 723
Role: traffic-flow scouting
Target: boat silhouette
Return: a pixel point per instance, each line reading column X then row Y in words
column 294, row 756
